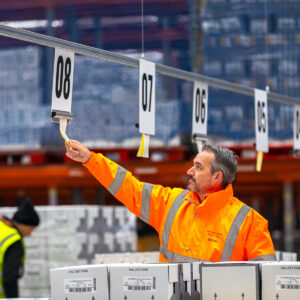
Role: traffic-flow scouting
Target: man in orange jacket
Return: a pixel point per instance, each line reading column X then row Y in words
column 204, row 223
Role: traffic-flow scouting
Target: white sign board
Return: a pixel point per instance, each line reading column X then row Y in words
column 297, row 127
column 261, row 121
column 147, row 97
column 200, row 103
column 62, row 80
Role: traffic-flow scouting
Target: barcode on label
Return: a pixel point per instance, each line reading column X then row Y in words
column 139, row 288
column 290, row 286
column 287, row 282
column 139, row 283
column 80, row 285
column 80, row 290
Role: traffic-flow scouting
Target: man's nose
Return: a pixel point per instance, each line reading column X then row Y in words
column 190, row 171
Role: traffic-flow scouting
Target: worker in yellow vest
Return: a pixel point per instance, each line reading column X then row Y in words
column 205, row 222
column 12, row 249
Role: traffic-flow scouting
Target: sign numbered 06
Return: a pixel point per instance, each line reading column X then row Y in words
column 62, row 80
column 261, row 121
column 200, row 102
column 147, row 97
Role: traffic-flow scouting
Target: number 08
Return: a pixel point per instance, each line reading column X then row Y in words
column 63, row 72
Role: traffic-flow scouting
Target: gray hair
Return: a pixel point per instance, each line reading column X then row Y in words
column 224, row 161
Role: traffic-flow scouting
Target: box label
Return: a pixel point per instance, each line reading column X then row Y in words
column 139, row 283
column 287, row 282
column 80, row 285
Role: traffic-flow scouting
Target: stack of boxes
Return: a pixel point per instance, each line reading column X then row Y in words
column 242, row 46
column 184, row 281
column 111, row 229
column 72, row 235
column 105, row 103
column 22, row 115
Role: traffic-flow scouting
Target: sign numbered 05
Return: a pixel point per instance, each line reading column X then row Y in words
column 200, row 103
column 297, row 127
column 261, row 121
column 62, row 80
column 147, row 97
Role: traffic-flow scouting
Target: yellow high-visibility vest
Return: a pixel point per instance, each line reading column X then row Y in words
column 8, row 236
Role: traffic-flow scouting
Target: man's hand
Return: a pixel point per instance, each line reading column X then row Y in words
column 78, row 152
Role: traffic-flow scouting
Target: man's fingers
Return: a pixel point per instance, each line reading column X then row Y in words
column 75, row 144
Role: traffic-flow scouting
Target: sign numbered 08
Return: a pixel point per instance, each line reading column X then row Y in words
column 147, row 97
column 261, row 121
column 200, row 103
column 62, row 80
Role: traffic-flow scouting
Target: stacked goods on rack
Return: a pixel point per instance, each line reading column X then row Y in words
column 105, row 103
column 254, row 43
column 22, row 114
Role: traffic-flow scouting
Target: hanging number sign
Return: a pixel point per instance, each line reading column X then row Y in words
column 297, row 127
column 147, row 97
column 261, row 121
column 200, row 103
column 62, row 81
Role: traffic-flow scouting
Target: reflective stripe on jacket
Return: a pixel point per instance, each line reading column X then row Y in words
column 221, row 228
column 8, row 236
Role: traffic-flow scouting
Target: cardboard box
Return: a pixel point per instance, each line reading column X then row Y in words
column 185, row 280
column 196, row 280
column 93, row 219
column 280, row 280
column 229, row 281
column 36, row 247
column 107, row 213
column 190, row 282
column 80, row 283
column 144, row 281
column 120, row 215
column 64, row 247
column 127, row 257
column 288, row 256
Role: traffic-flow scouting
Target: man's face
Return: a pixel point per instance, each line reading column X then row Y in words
column 26, row 230
column 201, row 180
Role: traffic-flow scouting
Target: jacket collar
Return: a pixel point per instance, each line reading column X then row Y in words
column 214, row 200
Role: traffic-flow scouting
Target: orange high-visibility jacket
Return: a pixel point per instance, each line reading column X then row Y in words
column 221, row 228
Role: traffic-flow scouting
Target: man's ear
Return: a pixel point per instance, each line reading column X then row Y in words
column 219, row 177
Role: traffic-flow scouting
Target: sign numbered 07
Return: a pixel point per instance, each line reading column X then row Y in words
column 62, row 80
column 147, row 97
column 200, row 102
column 261, row 121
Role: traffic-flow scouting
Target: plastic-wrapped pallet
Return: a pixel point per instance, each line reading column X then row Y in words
column 71, row 235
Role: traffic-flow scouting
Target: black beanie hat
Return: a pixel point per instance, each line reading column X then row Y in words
column 26, row 214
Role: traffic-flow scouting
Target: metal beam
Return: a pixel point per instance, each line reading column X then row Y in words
column 49, row 41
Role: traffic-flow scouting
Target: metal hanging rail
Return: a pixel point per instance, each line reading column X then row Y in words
column 49, row 41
